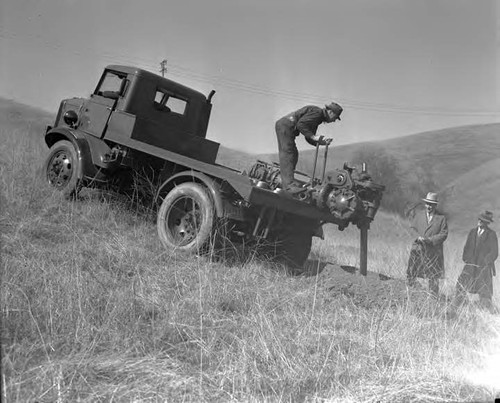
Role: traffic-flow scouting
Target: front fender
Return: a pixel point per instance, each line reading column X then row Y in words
column 84, row 154
column 194, row 176
column 91, row 150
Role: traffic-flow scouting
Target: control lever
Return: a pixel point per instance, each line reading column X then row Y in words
column 324, row 163
column 316, row 160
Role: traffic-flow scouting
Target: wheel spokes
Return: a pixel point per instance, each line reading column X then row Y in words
column 60, row 169
column 183, row 220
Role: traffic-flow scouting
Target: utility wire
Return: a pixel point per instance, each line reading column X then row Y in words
column 181, row 71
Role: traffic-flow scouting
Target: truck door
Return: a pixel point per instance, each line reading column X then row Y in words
column 97, row 110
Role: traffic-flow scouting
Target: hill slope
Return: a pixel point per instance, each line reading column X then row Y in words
column 448, row 152
column 236, row 159
column 15, row 116
column 440, row 161
column 477, row 189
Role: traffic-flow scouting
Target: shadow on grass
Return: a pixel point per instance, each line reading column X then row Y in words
column 312, row 267
column 354, row 270
column 131, row 203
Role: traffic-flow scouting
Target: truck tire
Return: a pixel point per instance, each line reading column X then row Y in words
column 186, row 218
column 62, row 168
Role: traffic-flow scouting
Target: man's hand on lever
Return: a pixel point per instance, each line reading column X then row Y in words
column 322, row 140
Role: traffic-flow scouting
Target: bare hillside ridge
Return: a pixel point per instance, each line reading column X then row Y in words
column 448, row 152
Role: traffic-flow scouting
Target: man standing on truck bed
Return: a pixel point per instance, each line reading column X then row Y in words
column 306, row 121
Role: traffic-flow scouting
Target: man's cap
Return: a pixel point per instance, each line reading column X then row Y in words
column 486, row 216
column 431, row 198
column 335, row 108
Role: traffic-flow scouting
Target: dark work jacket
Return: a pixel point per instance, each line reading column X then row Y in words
column 304, row 120
column 479, row 255
column 436, row 233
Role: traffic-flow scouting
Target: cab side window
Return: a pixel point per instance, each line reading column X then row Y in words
column 167, row 102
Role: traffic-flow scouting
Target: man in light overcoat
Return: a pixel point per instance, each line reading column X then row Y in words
column 426, row 254
column 479, row 255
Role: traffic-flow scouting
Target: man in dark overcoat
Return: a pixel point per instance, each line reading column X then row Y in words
column 306, row 121
column 426, row 254
column 479, row 255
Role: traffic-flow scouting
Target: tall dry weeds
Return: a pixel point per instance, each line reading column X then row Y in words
column 94, row 309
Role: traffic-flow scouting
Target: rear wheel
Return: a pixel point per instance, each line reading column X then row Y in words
column 186, row 218
column 62, row 168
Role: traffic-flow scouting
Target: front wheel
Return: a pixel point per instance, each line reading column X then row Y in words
column 186, row 218
column 62, row 168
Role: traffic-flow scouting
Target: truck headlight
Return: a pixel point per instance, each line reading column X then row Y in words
column 70, row 118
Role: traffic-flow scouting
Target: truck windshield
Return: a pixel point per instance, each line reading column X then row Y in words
column 110, row 85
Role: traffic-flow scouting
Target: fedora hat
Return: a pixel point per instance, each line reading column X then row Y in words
column 486, row 216
column 431, row 198
column 335, row 108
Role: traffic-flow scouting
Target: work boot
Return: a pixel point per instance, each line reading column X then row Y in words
column 294, row 189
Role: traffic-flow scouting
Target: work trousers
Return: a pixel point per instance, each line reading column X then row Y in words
column 288, row 153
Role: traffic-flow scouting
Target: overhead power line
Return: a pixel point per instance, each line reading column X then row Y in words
column 238, row 85
column 308, row 97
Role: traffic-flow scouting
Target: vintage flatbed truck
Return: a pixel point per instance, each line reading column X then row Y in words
column 139, row 122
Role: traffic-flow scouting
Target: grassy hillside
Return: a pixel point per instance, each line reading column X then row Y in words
column 448, row 152
column 94, row 309
column 433, row 161
column 17, row 117
column 239, row 160
column 477, row 189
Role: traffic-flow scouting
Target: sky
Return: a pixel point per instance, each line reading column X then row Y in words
column 398, row 67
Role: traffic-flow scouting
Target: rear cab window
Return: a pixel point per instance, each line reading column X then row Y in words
column 167, row 102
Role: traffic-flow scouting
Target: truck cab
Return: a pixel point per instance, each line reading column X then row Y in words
column 130, row 106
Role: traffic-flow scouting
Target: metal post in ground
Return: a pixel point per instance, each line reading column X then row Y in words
column 363, row 249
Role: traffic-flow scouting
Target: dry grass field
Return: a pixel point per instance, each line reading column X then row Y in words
column 94, row 309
